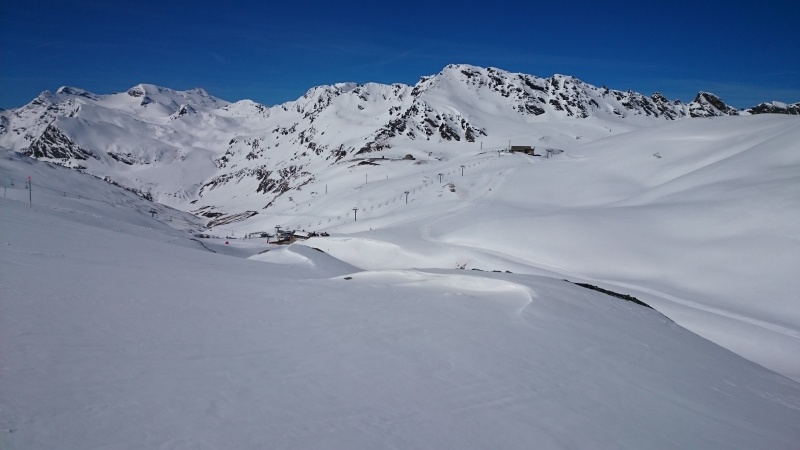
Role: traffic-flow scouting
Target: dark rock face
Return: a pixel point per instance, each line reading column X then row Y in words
column 709, row 105
column 54, row 144
column 774, row 108
column 626, row 297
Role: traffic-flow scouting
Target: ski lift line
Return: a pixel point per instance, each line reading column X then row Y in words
column 11, row 189
column 371, row 205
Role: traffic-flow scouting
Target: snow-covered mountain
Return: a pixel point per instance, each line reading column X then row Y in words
column 191, row 150
column 776, row 108
column 438, row 298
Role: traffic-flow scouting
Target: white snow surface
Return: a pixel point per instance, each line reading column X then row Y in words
column 699, row 218
column 118, row 330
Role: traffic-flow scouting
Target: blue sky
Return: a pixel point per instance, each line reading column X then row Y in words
column 271, row 52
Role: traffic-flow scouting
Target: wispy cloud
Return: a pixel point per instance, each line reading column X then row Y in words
column 218, row 57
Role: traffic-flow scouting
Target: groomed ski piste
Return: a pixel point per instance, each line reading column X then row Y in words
column 443, row 322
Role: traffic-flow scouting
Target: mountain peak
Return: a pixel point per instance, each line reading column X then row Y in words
column 776, row 108
column 69, row 90
column 706, row 104
column 172, row 99
column 140, row 90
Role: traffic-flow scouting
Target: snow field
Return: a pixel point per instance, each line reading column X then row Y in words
column 111, row 338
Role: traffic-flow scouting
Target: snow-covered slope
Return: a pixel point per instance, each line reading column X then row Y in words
column 117, row 331
column 700, row 217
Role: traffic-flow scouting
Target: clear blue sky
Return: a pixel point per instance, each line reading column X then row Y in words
column 273, row 51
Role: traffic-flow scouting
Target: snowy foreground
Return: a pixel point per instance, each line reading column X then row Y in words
column 118, row 331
